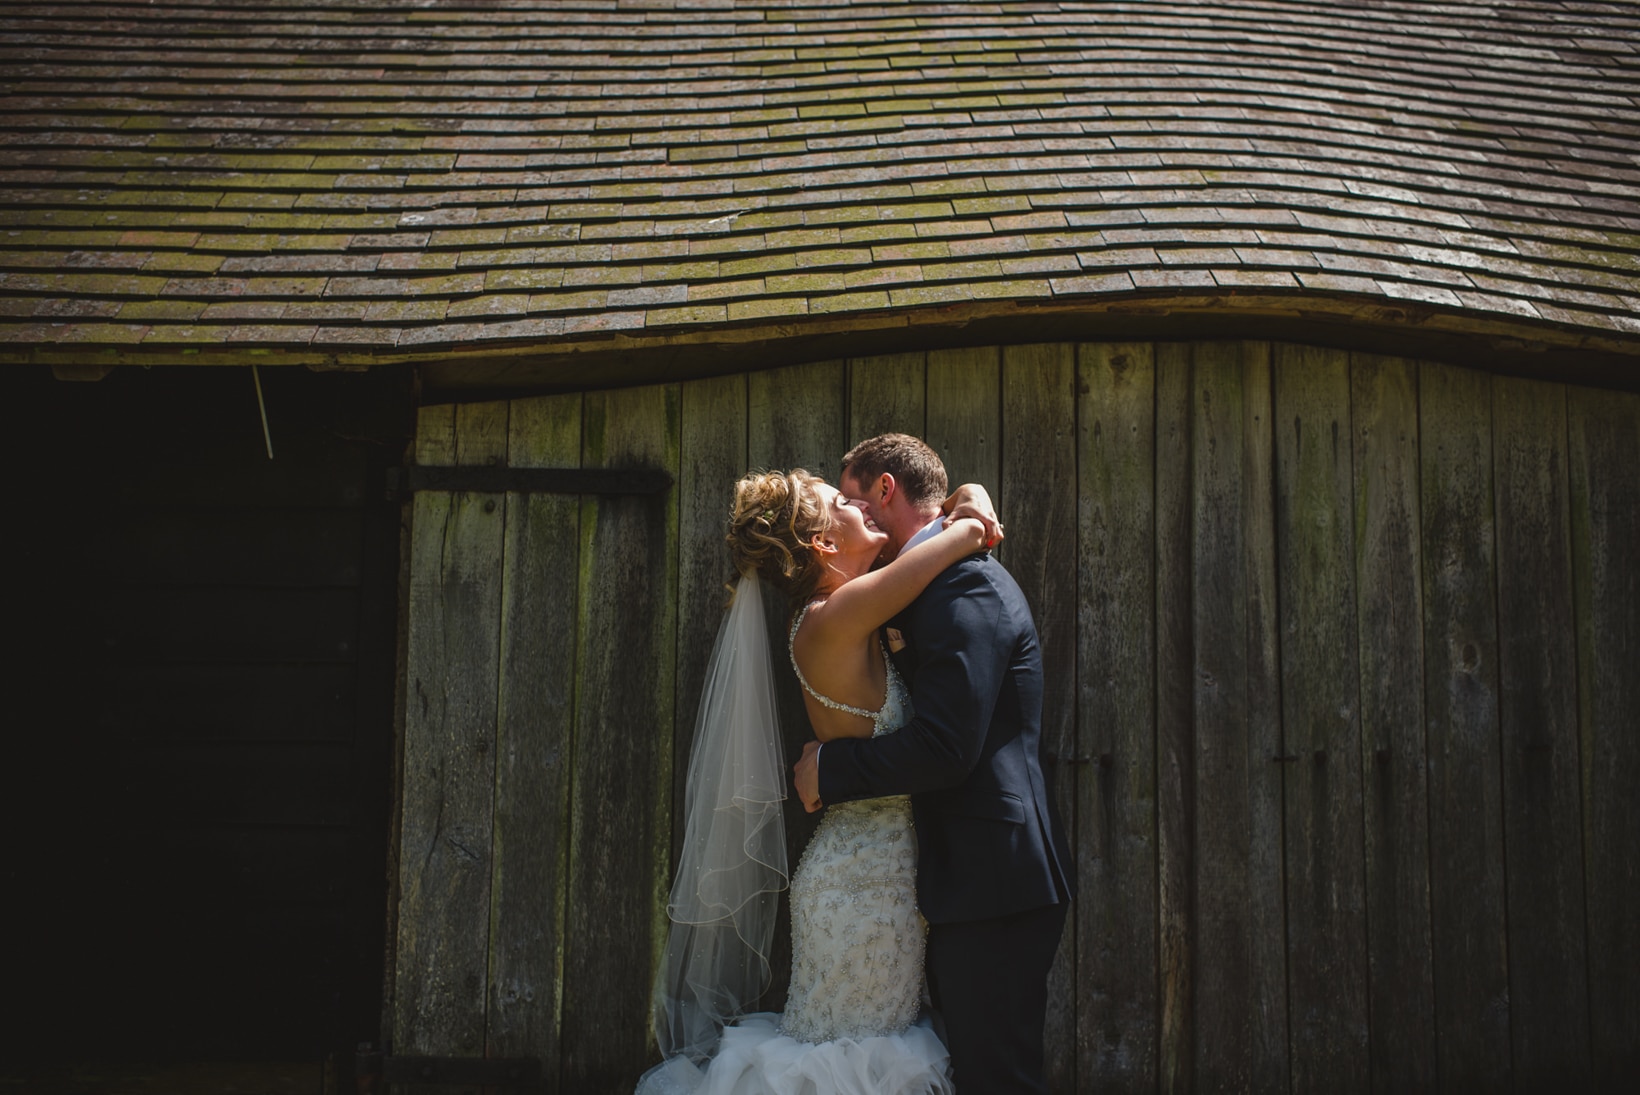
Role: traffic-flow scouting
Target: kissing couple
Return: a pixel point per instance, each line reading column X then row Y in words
column 938, row 874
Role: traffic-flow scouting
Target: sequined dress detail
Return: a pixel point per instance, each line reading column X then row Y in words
column 857, row 937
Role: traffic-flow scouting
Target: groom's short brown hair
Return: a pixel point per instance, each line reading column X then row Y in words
column 915, row 467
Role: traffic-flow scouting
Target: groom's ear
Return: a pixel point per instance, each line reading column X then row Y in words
column 885, row 488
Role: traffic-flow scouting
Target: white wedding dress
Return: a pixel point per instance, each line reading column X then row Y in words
column 852, row 1023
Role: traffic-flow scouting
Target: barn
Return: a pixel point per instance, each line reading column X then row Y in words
column 378, row 372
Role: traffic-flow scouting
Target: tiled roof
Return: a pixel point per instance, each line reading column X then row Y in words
column 370, row 179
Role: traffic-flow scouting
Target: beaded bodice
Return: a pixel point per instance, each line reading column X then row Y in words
column 896, row 697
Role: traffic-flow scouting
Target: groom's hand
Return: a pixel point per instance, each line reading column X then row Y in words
column 806, row 777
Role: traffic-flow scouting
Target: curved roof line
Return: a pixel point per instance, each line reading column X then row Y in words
column 363, row 182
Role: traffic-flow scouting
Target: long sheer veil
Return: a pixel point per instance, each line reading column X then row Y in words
column 727, row 891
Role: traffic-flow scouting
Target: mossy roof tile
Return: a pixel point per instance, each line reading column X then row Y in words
column 685, row 165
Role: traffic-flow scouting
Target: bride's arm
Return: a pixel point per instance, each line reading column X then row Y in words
column 972, row 500
column 861, row 606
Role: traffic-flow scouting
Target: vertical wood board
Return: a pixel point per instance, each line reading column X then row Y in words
column 1225, row 1030
column 454, row 629
column 886, row 394
column 965, row 414
column 1389, row 624
column 1461, row 720
column 1604, row 436
column 621, row 799
column 1116, row 973
column 1175, row 724
column 1326, row 914
column 1537, row 667
column 1267, row 884
column 534, row 729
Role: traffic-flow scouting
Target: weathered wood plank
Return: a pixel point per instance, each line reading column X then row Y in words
column 886, row 394
column 1265, row 821
column 1384, row 409
column 1175, row 724
column 1604, row 430
column 1038, row 493
column 1461, row 719
column 1537, row 670
column 965, row 414
column 1115, row 809
column 1224, row 1020
column 796, row 417
column 1222, row 832
column 1326, row 902
column 621, row 798
column 534, row 729
column 449, row 744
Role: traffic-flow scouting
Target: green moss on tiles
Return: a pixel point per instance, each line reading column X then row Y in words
column 179, row 310
column 183, row 262
column 689, row 313
column 718, row 290
column 805, row 283
column 756, row 264
column 871, row 233
column 767, row 308
column 849, row 302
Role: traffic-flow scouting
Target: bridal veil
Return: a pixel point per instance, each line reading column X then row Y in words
column 733, row 867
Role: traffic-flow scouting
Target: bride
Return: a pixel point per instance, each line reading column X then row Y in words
column 851, row 1023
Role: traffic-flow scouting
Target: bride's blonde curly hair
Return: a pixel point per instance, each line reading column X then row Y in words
column 775, row 517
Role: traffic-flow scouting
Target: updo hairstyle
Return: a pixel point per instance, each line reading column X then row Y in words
column 776, row 515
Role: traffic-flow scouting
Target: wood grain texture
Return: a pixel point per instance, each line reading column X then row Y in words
column 449, row 743
column 1265, row 862
column 964, row 415
column 1384, row 409
column 1461, row 721
column 621, row 799
column 1542, row 770
column 1240, row 1040
column 796, row 418
column 886, row 394
column 1604, row 444
column 1175, row 724
column 534, row 728
column 1038, row 492
column 1225, row 1022
column 1326, row 901
column 1115, row 810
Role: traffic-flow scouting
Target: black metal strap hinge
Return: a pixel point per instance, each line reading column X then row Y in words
column 482, row 479
column 372, row 1066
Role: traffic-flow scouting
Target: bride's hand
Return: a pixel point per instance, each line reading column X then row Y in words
column 971, row 500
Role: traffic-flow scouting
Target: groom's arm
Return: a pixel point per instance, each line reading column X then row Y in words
column 961, row 663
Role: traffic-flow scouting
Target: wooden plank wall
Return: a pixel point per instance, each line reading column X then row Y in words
column 1342, row 721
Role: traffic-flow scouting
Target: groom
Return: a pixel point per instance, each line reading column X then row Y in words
column 994, row 875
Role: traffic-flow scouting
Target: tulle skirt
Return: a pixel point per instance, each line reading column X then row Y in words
column 754, row 1058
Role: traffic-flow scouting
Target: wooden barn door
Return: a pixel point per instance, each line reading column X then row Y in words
column 537, row 734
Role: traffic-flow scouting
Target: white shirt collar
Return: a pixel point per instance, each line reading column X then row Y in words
column 927, row 532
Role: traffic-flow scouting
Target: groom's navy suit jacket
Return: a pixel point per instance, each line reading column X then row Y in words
column 989, row 842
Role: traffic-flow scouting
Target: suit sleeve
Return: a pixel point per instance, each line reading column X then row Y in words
column 961, row 662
